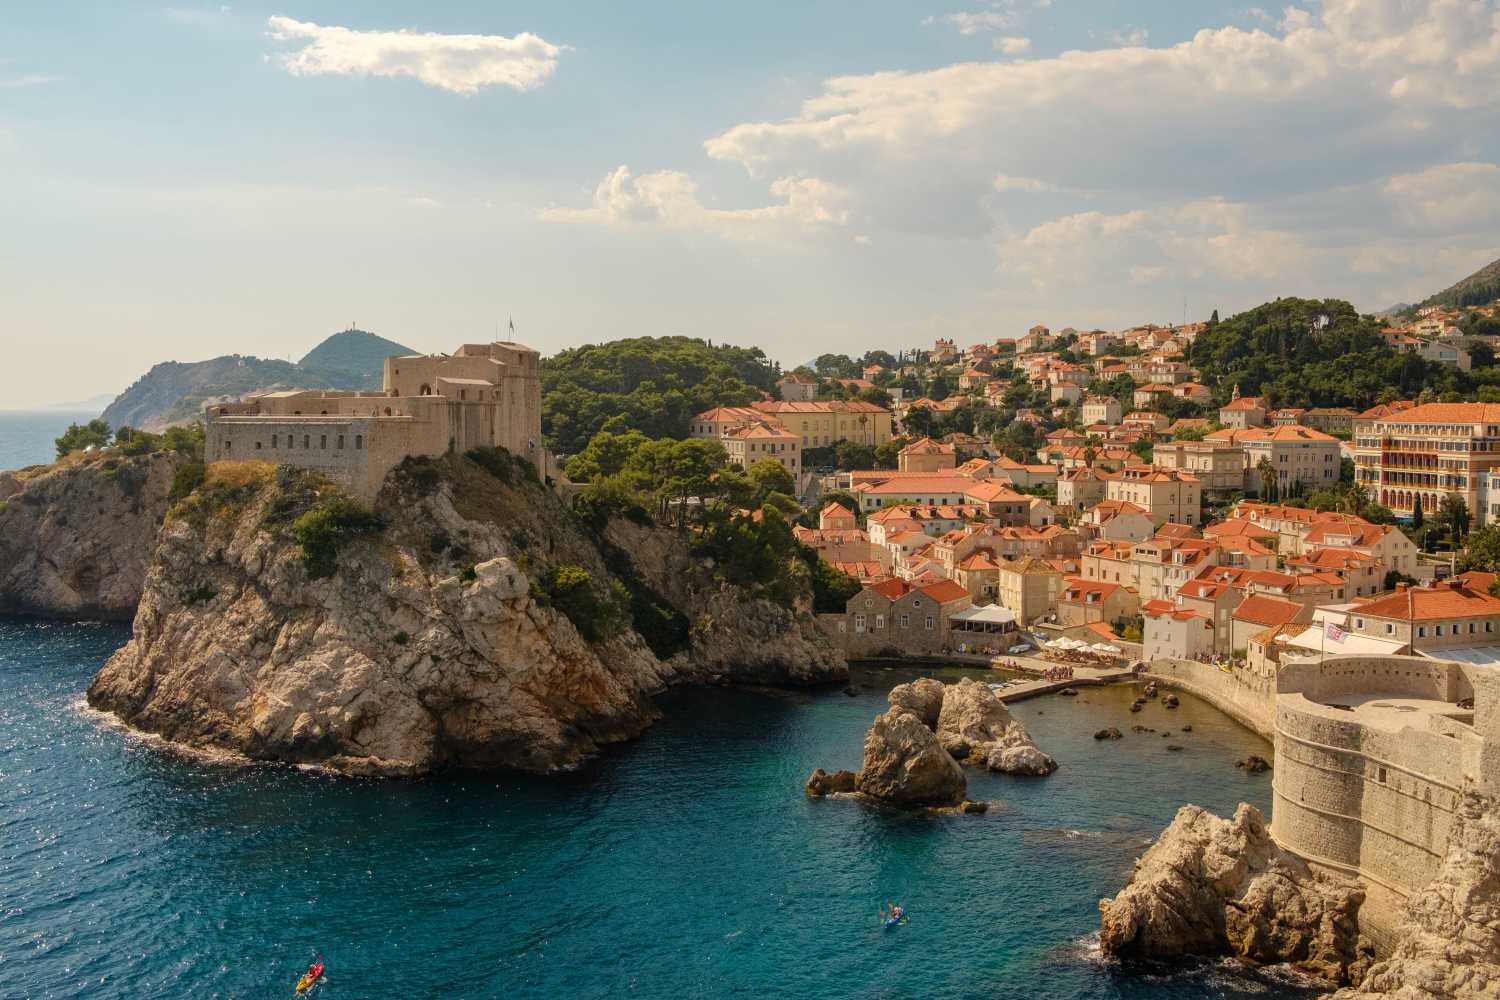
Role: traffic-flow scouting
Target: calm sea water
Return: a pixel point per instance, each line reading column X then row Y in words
column 28, row 437
column 687, row 864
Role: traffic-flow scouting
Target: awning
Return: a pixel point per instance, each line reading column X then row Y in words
column 990, row 614
column 1478, row 655
column 1315, row 641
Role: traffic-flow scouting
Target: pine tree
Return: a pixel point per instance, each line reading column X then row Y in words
column 1416, row 513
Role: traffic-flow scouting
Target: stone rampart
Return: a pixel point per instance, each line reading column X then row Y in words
column 1244, row 695
column 1373, row 801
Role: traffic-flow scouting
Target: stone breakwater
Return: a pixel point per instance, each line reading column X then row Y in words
column 426, row 645
column 912, row 751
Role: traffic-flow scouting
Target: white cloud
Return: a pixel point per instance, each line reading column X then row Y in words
column 1452, row 197
column 1212, row 242
column 463, row 64
column 29, row 80
column 1012, row 45
column 669, row 199
column 1127, row 37
column 1001, row 15
column 1028, row 184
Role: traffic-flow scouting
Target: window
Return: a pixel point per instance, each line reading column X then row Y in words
column 879, row 622
column 307, row 440
column 273, row 441
column 906, row 621
column 1359, row 623
column 929, row 623
column 359, row 442
column 341, row 442
column 1421, row 631
column 257, row 446
column 228, row 445
column 322, row 440
column 859, row 623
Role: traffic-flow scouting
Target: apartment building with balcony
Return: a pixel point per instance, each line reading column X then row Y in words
column 1426, row 452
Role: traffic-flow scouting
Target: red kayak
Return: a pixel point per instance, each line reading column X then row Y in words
column 310, row 977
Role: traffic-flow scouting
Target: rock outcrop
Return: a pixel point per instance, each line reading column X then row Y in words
column 922, row 697
column 1449, row 939
column 76, row 538
column 1211, row 886
column 912, row 751
column 905, row 765
column 821, row 783
column 975, row 727
column 440, row 636
column 733, row 637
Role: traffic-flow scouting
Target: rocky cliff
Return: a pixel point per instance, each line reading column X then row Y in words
column 1211, row 886
column 76, row 537
column 1449, row 944
column 467, row 621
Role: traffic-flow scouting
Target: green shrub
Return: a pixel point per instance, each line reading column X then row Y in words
column 420, row 474
column 401, row 638
column 185, row 480
column 439, row 542
column 133, row 442
column 199, row 595
column 570, row 589
column 495, row 461
column 95, row 432
column 325, row 529
column 468, row 574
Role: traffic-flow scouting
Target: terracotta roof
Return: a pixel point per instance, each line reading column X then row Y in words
column 721, row 413
column 1238, row 527
column 862, row 569
column 1078, row 589
column 891, row 590
column 1262, row 610
column 944, row 591
column 1449, row 413
column 1358, row 531
column 991, row 492
column 1245, row 403
column 1449, row 599
column 1286, row 432
column 927, row 446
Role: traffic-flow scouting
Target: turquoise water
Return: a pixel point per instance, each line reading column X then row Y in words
column 28, row 437
column 687, row 864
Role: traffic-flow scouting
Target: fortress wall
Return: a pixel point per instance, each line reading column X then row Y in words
column 1372, row 804
column 1247, row 697
column 1332, row 677
column 355, row 452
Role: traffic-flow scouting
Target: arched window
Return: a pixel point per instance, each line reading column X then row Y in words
column 426, row 390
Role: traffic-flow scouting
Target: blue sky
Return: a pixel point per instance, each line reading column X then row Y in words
column 190, row 180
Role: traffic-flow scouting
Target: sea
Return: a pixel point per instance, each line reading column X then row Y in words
column 28, row 437
column 685, row 864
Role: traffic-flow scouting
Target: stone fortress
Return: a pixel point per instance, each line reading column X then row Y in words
column 482, row 395
column 1373, row 755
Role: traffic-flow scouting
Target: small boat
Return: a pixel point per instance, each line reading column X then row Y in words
column 894, row 916
column 310, row 977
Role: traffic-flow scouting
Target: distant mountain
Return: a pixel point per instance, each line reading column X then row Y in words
column 1479, row 288
column 354, row 352
column 175, row 391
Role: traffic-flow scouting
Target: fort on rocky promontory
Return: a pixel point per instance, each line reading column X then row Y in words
column 481, row 395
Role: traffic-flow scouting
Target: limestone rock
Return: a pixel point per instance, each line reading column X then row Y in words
column 822, row 783
column 1211, row 886
column 424, row 650
column 1449, row 938
column 1253, row 764
column 1111, row 733
column 905, row 765
column 76, row 538
column 735, row 638
column 922, row 697
column 976, row 726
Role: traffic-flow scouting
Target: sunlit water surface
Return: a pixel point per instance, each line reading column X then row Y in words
column 687, row 864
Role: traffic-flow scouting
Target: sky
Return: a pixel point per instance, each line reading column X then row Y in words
column 184, row 181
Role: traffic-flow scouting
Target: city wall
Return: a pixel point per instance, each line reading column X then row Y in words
column 1244, row 695
column 1371, row 802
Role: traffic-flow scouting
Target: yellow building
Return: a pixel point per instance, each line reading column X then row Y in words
column 827, row 422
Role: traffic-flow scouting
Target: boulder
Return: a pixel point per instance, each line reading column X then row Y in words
column 1111, row 733
column 1211, row 886
column 1169, row 701
column 922, row 697
column 822, row 783
column 1253, row 764
column 905, row 765
column 975, row 726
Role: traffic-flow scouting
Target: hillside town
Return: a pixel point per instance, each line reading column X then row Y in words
column 1121, row 509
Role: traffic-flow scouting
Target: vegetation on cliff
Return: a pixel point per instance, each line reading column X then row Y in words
column 651, row 384
column 1480, row 288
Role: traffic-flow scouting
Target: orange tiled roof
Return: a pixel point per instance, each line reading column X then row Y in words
column 944, row 591
column 1262, row 610
column 1449, row 599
